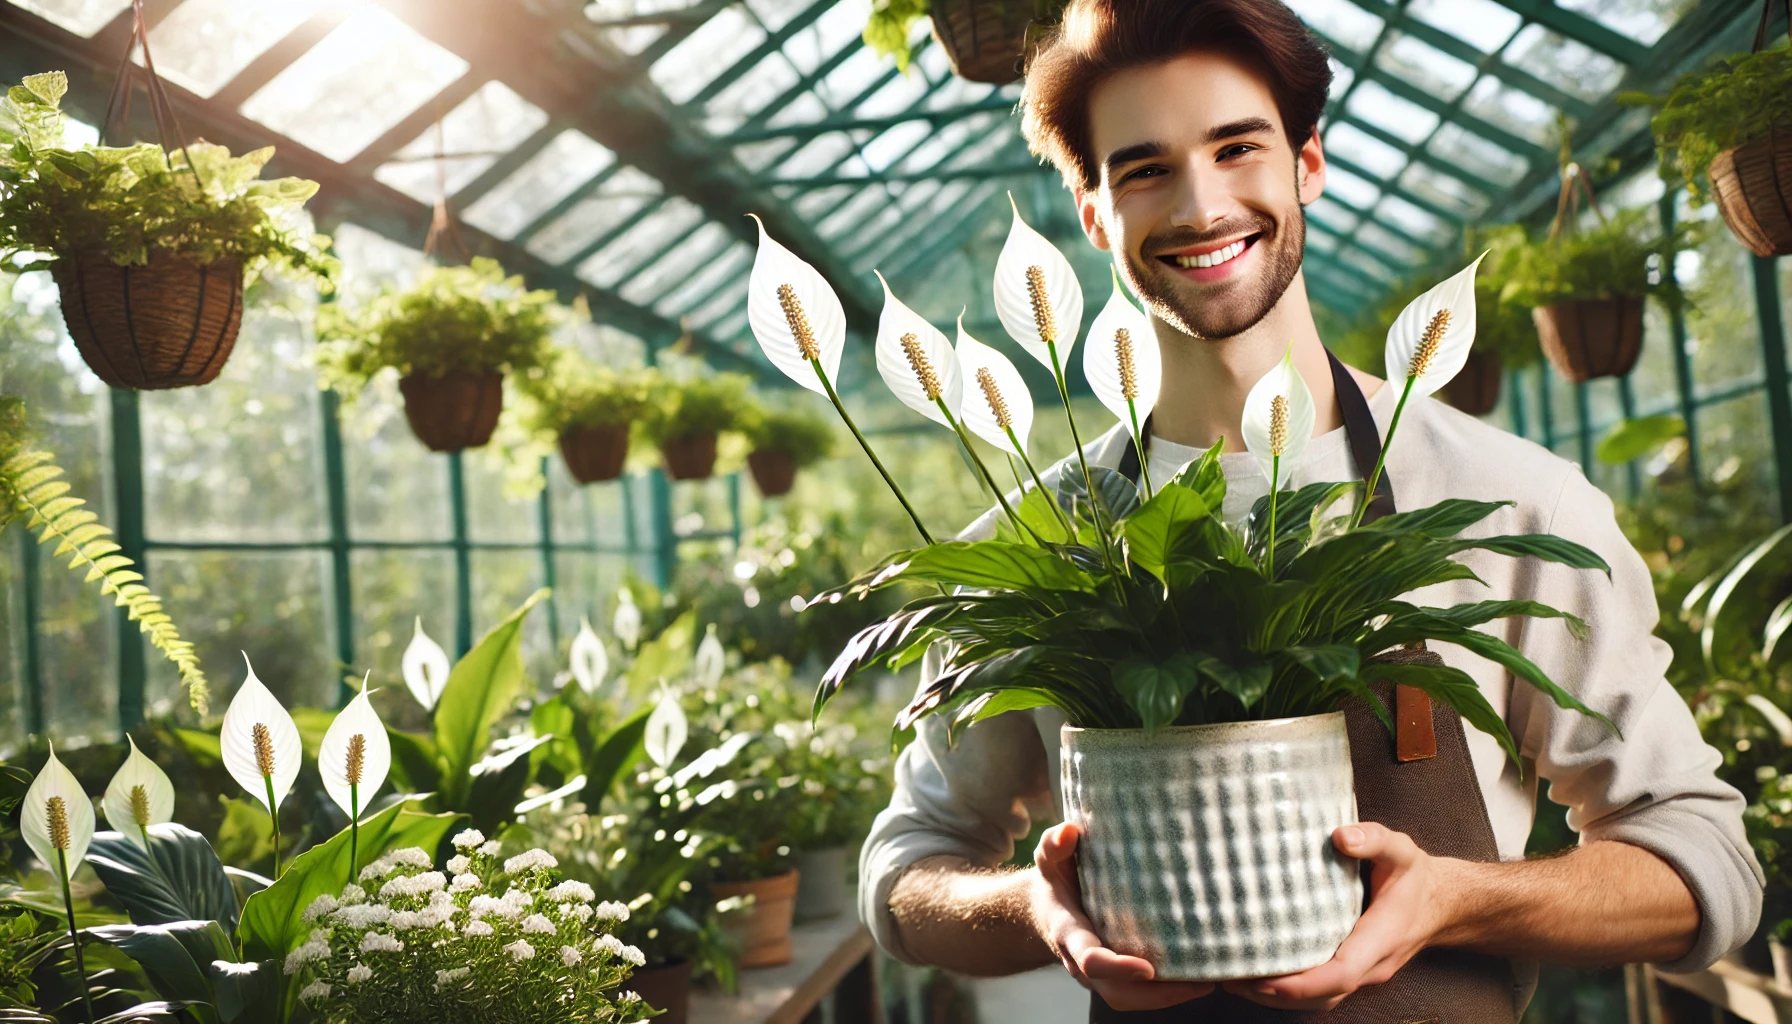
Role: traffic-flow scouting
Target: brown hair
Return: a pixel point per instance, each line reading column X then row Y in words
column 1099, row 37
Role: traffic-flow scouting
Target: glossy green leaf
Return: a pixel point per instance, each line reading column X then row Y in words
column 1326, row 661
column 1156, row 689
column 1453, row 687
column 179, row 878
column 1635, row 438
column 1149, row 531
column 480, row 689
column 615, row 755
column 1740, row 604
column 990, row 563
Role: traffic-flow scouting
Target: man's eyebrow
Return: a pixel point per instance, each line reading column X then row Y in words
column 1242, row 126
column 1136, row 151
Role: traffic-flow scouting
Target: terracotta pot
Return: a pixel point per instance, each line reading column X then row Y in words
column 169, row 324
column 666, row 987
column 762, row 929
column 1753, row 186
column 595, row 454
column 455, row 411
column 986, row 40
column 1180, row 863
column 691, row 457
column 1588, row 338
column 773, row 471
column 1476, row 390
column 821, row 890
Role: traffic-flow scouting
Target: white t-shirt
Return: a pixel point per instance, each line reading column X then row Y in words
column 1326, row 459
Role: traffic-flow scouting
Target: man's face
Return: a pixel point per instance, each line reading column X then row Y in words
column 1200, row 191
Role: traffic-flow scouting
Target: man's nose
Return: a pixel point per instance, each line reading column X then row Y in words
column 1201, row 201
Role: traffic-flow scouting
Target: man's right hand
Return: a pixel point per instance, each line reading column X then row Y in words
column 1125, row 982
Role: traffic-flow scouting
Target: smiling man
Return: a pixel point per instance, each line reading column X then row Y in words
column 1186, row 133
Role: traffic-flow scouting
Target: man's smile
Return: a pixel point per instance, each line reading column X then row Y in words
column 1213, row 261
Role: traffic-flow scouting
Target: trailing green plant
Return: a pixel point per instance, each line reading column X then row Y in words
column 568, row 391
column 886, row 31
column 456, row 318
column 130, row 203
column 1734, row 101
column 804, row 436
column 696, row 403
column 1607, row 259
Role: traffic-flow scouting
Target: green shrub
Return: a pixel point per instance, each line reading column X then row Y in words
column 569, row 391
column 1734, row 101
column 700, row 403
column 804, row 436
column 1599, row 262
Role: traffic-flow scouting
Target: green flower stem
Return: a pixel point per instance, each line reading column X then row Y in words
column 354, row 828
column 1138, row 438
column 1380, row 460
column 840, row 407
column 1106, row 529
column 1275, row 491
column 274, row 813
column 145, row 830
column 1069, row 531
column 977, row 460
column 68, row 903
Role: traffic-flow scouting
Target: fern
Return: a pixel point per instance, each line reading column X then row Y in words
column 32, row 481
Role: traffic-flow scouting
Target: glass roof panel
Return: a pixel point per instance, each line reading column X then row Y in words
column 1385, row 241
column 1574, row 68
column 949, row 138
column 1444, row 190
column 82, row 17
column 702, row 56
column 1331, row 211
column 681, row 260
column 486, row 125
column 1423, row 65
column 1483, row 24
column 1364, row 150
column 622, row 195
column 647, row 239
column 773, row 14
column 726, row 300
column 632, row 39
column 715, row 273
column 1414, row 221
column 892, row 145
column 1340, row 20
column 1516, row 111
column 816, row 202
column 1392, row 114
column 817, row 155
column 1342, row 76
column 549, row 176
column 837, row 27
column 1351, row 189
column 326, row 98
column 1645, row 21
column 757, row 156
column 852, row 77
column 853, row 213
column 1490, row 160
column 1322, row 241
column 749, row 94
column 203, row 44
column 895, row 96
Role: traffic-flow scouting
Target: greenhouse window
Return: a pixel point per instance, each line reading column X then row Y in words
column 1462, row 148
column 82, row 17
column 1340, row 20
column 1444, row 190
column 819, row 155
column 748, row 94
column 1411, row 220
column 1483, row 24
column 203, row 44
column 1516, row 111
column 1364, row 150
column 1349, row 188
column 702, row 57
column 681, row 259
column 1645, row 21
column 1425, row 66
column 705, row 281
column 480, row 129
column 645, row 239
column 549, row 176
column 1397, row 116
column 1570, row 66
column 623, row 194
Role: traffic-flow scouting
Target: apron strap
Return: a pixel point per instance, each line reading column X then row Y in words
column 1364, row 437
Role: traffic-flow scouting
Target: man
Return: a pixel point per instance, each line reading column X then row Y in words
column 1186, row 131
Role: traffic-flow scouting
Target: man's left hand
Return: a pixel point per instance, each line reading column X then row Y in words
column 1409, row 906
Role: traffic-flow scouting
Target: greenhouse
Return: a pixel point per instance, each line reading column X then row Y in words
column 910, row 511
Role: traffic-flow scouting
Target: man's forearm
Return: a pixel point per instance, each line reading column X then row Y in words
column 974, row 920
column 1599, row 904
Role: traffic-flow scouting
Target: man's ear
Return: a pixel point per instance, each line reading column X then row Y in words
column 1088, row 210
column 1309, row 169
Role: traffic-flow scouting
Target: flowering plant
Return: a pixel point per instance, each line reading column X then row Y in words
column 487, row 940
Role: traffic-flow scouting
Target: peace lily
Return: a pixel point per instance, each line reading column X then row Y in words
column 590, row 662
column 57, row 823
column 711, row 661
column 261, row 748
column 798, row 321
column 626, row 623
column 353, row 760
column 1123, row 366
column 996, row 404
column 1278, row 423
column 139, row 795
column 1428, row 345
column 666, row 731
column 425, row 667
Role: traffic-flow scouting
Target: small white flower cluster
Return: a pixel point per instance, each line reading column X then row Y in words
column 545, row 943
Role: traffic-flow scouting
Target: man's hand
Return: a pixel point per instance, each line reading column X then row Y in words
column 1410, row 905
column 1123, row 981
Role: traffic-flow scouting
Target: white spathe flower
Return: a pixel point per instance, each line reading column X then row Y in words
column 626, row 623
column 916, row 361
column 345, row 762
column 1412, row 346
column 425, row 666
column 139, row 795
column 1059, row 302
column 590, row 662
column 1264, row 436
column 794, row 313
column 993, row 391
column 57, row 816
column 711, row 661
column 667, row 729
column 260, row 742
column 1123, row 369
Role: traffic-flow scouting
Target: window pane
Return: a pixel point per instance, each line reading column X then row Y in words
column 1483, row 24
column 392, row 589
column 397, row 489
column 703, row 283
column 1342, row 21
column 1645, row 21
column 1518, row 112
column 82, row 17
column 1471, row 152
column 348, row 90
column 1386, row 242
column 1350, row 188
column 497, row 509
column 549, row 176
column 680, row 262
column 1364, row 150
column 1390, row 113
column 486, row 125
column 746, row 95
column 202, row 44
column 1444, row 190
column 1425, row 66
column 613, row 204
column 705, row 54
column 1570, row 66
column 641, row 242
column 1331, row 211
column 501, row 581
column 1409, row 218
column 819, row 155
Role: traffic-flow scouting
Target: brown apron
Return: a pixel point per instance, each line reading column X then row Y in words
column 1420, row 781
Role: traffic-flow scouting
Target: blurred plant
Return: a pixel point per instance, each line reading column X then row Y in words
column 1501, row 327
column 804, row 436
column 695, row 401
column 568, row 391
column 1736, row 100
column 1610, row 258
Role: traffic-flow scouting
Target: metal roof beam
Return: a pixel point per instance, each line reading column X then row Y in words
column 1488, row 63
column 943, row 115
column 1581, row 29
column 773, row 45
column 278, row 57
column 418, row 121
column 978, row 172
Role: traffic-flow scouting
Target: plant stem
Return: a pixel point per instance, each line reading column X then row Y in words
column 977, row 460
column 1014, row 471
column 1069, row 530
column 354, row 828
column 145, row 830
column 274, row 813
column 1106, row 531
column 850, row 425
column 1275, row 491
column 1138, row 438
column 74, row 935
column 1381, row 459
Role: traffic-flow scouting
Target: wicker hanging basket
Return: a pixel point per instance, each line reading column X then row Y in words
column 1476, row 389
column 455, row 411
column 169, row 324
column 1589, row 338
column 691, row 457
column 595, row 454
column 1753, row 186
column 774, row 472
column 986, row 40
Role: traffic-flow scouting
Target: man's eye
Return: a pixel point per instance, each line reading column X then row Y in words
column 1142, row 172
column 1236, row 150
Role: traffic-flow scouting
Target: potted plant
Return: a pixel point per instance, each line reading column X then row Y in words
column 1185, row 652
column 452, row 337
column 590, row 410
column 692, row 408
column 151, row 249
column 984, row 40
column 1731, row 125
column 784, row 441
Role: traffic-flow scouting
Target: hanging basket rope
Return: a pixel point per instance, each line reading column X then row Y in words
column 1594, row 337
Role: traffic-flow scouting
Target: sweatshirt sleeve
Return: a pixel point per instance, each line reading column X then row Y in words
column 1653, row 783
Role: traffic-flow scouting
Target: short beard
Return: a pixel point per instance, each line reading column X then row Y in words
column 1165, row 293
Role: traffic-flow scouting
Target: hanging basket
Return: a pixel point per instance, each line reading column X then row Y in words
column 691, row 457
column 1753, row 186
column 773, row 471
column 595, row 454
column 985, row 40
column 1589, row 338
column 168, row 324
column 455, row 411
column 1476, row 390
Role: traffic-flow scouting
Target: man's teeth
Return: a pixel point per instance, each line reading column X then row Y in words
column 1214, row 258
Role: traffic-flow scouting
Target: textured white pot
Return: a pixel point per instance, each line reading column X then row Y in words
column 1207, row 850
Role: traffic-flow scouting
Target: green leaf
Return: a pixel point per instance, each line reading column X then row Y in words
column 415, row 766
column 619, row 750
column 499, row 784
column 1635, row 438
column 993, row 563
column 480, row 689
column 247, row 993
column 169, row 962
column 1035, row 510
column 1206, row 476
column 1115, row 494
column 1156, row 690
column 1148, row 532
column 1326, row 661
column 178, row 879
column 1540, row 545
column 1470, row 615
column 1246, row 684
column 1740, row 604
column 1454, row 687
column 1445, row 519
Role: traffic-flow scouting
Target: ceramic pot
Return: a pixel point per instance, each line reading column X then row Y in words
column 666, row 987
column 763, row 929
column 821, row 890
column 455, row 411
column 1207, row 849
column 170, row 323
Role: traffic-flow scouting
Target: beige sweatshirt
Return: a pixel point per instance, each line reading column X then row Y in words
column 1654, row 788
